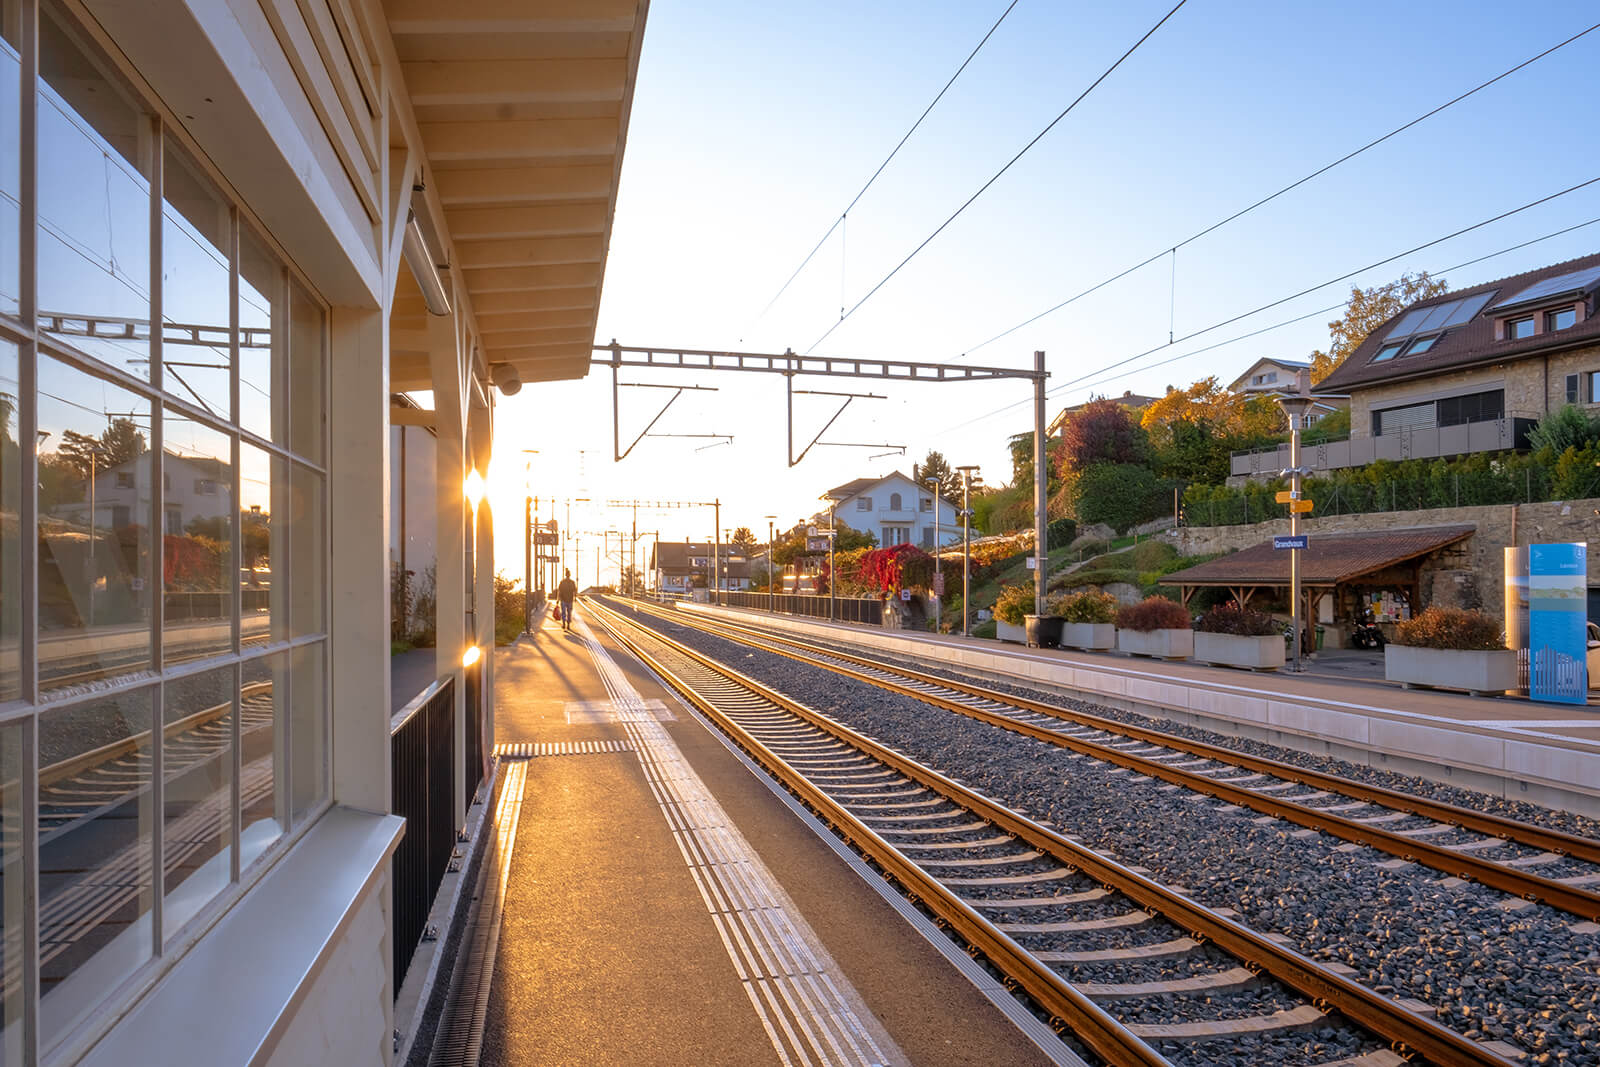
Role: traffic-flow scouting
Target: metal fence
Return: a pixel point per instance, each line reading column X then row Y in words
column 422, row 759
column 845, row 609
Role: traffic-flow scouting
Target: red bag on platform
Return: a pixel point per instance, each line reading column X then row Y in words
column 558, row 613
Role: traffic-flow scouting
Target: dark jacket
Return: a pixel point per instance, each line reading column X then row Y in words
column 567, row 591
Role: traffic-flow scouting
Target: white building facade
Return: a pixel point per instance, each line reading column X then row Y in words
column 230, row 234
column 896, row 511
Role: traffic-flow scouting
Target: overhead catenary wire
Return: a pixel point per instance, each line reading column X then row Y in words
column 1172, row 249
column 896, row 151
column 1346, row 276
column 999, row 173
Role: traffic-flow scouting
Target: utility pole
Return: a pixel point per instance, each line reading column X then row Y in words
column 938, row 561
column 772, row 569
column 1040, row 481
column 716, row 551
column 1295, row 405
column 833, row 537
column 966, row 547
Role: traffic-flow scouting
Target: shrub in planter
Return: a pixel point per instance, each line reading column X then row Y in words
column 1153, row 613
column 1015, row 601
column 1087, row 619
column 1156, row 627
column 1239, row 637
column 1453, row 649
column 1238, row 621
column 1451, row 628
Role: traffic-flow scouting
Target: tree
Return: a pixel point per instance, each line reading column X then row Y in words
column 934, row 465
column 743, row 542
column 1366, row 311
column 1102, row 431
column 121, row 442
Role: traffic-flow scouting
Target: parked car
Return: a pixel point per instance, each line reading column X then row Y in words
column 1594, row 655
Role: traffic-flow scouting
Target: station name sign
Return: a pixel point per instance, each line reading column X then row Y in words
column 1291, row 541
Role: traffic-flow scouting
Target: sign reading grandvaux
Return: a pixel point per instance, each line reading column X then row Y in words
column 1291, row 541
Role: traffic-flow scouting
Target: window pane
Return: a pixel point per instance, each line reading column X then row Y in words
column 95, row 853
column 197, row 540
column 309, row 730
column 12, row 754
column 197, row 764
column 306, row 368
column 196, row 238
column 94, row 515
column 10, row 160
column 262, row 723
column 307, row 578
column 1560, row 320
column 10, row 517
column 94, row 202
column 262, row 317
column 263, row 497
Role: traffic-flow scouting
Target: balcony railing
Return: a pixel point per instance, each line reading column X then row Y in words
column 1498, row 434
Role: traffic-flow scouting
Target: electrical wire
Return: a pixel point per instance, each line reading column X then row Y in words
column 1287, row 188
column 842, row 215
column 1303, row 292
column 997, row 175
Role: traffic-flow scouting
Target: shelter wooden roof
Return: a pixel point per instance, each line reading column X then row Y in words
column 1329, row 559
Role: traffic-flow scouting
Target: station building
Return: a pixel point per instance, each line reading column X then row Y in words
column 249, row 249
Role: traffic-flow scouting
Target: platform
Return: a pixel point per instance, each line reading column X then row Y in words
column 1545, row 754
column 665, row 904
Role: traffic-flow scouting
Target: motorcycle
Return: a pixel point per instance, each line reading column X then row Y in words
column 1366, row 634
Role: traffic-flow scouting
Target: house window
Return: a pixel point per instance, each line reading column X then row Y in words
column 1572, row 387
column 863, row 503
column 1561, row 319
column 205, row 487
column 174, row 522
column 1517, row 329
column 926, row 504
column 896, row 535
column 124, row 479
column 1388, row 351
column 1594, row 387
column 894, row 501
column 1474, row 407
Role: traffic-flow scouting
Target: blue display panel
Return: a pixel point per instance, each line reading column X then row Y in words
column 1557, row 597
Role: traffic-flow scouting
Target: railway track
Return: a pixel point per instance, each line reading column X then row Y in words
column 1061, row 923
column 1529, row 862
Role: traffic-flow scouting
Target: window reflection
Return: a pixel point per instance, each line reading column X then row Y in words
column 196, row 239
column 197, row 767
column 306, row 554
column 262, row 359
column 197, row 540
column 10, row 157
column 95, row 855
column 94, row 152
column 306, row 368
column 263, row 496
column 10, row 517
column 94, row 535
column 308, row 731
column 263, row 722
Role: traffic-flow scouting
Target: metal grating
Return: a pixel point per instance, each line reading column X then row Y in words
column 530, row 749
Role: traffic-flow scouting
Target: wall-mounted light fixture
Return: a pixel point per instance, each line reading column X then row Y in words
column 472, row 655
column 506, row 378
column 473, row 488
column 425, row 268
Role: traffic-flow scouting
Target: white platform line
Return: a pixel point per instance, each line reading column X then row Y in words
column 800, row 996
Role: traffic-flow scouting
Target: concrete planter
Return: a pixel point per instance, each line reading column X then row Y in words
column 1232, row 650
column 1006, row 631
column 1043, row 631
column 1088, row 636
column 1481, row 673
column 1161, row 644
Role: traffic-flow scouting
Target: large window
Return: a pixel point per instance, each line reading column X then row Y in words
column 169, row 724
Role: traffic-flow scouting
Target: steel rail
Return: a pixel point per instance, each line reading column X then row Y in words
column 1069, row 1008
column 1406, row 1030
column 1524, row 884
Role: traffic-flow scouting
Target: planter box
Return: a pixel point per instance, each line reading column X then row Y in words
column 1162, row 644
column 1005, row 631
column 1043, row 631
column 1088, row 636
column 1487, row 673
column 1232, row 650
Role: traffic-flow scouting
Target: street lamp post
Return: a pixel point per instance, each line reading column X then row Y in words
column 966, row 547
column 938, row 561
column 772, row 577
column 833, row 537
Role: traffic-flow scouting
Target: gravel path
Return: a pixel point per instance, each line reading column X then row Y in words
column 1492, row 967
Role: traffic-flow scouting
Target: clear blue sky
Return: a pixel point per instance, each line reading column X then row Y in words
column 753, row 126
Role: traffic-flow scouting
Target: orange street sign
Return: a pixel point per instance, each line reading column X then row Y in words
column 1285, row 495
column 1300, row 507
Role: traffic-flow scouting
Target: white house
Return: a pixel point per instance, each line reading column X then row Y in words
column 1272, row 377
column 896, row 511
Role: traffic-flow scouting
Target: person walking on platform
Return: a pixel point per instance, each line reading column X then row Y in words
column 567, row 592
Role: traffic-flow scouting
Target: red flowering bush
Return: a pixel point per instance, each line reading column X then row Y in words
column 885, row 570
column 1153, row 613
column 1230, row 618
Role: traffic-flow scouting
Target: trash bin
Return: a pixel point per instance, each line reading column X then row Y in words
column 1320, row 632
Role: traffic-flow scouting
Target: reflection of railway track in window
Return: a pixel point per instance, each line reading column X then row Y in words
column 77, row 791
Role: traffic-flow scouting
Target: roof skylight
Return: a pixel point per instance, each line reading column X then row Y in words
column 1577, row 282
column 1439, row 316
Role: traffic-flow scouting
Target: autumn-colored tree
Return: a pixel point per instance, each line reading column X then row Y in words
column 1102, row 431
column 1366, row 311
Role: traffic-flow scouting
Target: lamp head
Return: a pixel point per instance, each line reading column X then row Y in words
column 473, row 487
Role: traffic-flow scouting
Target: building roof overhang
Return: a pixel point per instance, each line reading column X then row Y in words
column 523, row 108
column 1328, row 560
